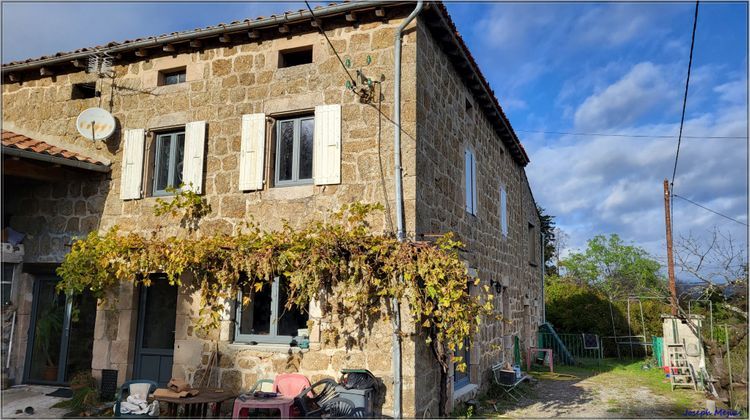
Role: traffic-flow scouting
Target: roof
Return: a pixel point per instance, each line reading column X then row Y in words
column 23, row 146
column 440, row 23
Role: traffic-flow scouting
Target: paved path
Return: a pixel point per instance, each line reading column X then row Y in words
column 22, row 396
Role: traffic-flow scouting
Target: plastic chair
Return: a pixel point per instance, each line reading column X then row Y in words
column 123, row 393
column 290, row 384
column 321, row 399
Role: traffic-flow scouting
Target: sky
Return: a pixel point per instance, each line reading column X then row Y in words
column 591, row 68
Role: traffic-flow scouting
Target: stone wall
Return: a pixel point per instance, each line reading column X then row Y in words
column 449, row 117
column 223, row 83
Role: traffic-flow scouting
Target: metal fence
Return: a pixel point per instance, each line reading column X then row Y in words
column 580, row 346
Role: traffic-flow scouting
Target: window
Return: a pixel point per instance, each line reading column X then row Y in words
column 295, row 57
column 168, row 158
column 470, row 170
column 84, row 91
column 265, row 319
column 532, row 245
column 172, row 77
column 7, row 283
column 462, row 378
column 294, row 151
column 504, row 211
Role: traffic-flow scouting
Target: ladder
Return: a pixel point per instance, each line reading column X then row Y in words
column 680, row 371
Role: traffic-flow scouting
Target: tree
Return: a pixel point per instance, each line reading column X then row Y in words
column 615, row 268
column 548, row 235
column 719, row 267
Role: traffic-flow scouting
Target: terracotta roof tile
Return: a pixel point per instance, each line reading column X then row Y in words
column 21, row 142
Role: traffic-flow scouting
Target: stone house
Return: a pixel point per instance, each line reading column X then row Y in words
column 261, row 118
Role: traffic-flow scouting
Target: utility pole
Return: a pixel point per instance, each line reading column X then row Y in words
column 670, row 258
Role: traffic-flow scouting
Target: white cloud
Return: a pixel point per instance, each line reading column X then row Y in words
column 639, row 91
column 602, row 185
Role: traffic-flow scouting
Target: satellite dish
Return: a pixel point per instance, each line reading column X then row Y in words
column 95, row 124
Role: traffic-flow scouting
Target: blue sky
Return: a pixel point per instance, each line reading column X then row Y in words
column 555, row 67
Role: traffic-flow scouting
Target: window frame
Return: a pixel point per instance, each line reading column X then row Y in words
column 181, row 74
column 272, row 337
column 297, row 124
column 8, row 282
column 470, row 181
column 171, row 168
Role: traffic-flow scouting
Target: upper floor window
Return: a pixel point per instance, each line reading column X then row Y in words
column 264, row 318
column 470, row 172
column 168, row 160
column 503, row 211
column 84, row 91
column 532, row 245
column 172, row 77
column 296, row 56
column 294, row 151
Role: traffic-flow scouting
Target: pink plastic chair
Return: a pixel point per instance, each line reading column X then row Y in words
column 290, row 384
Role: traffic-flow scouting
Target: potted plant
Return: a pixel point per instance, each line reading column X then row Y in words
column 49, row 326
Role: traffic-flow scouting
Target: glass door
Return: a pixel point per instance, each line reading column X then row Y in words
column 62, row 335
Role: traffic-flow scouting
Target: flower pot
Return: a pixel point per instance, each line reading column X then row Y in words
column 50, row 373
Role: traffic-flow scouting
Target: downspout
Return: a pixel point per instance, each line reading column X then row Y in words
column 544, row 266
column 400, row 231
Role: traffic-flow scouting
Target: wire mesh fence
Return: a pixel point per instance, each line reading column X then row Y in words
column 580, row 346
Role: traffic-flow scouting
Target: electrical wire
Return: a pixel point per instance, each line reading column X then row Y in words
column 684, row 99
column 322, row 32
column 644, row 136
column 708, row 209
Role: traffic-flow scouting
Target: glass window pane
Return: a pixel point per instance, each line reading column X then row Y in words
column 290, row 320
column 286, row 150
column 81, row 343
column 163, row 150
column 50, row 313
column 179, row 158
column 160, row 316
column 255, row 317
column 306, row 148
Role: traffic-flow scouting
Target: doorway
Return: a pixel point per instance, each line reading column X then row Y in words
column 61, row 334
column 157, row 313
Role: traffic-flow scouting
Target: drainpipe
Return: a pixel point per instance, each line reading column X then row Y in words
column 400, row 231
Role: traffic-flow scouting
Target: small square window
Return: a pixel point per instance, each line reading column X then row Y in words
column 295, row 57
column 265, row 319
column 84, row 91
column 294, row 151
column 169, row 153
column 172, row 77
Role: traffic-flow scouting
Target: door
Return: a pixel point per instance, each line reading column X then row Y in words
column 156, row 327
column 61, row 334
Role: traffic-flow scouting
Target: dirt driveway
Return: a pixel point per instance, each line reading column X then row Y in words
column 614, row 391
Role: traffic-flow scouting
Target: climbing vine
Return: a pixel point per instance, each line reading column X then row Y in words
column 341, row 263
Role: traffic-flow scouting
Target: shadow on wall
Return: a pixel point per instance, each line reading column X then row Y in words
column 53, row 213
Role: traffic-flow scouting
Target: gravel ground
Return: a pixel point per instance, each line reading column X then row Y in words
column 604, row 395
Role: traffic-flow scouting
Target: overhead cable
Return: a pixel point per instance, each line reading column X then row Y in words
column 708, row 209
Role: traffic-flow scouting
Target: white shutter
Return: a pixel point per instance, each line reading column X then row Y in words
column 192, row 165
column 252, row 151
column 131, row 177
column 467, row 180
column 327, row 145
column 474, row 184
column 504, row 211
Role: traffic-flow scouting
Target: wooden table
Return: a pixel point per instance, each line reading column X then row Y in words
column 197, row 406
